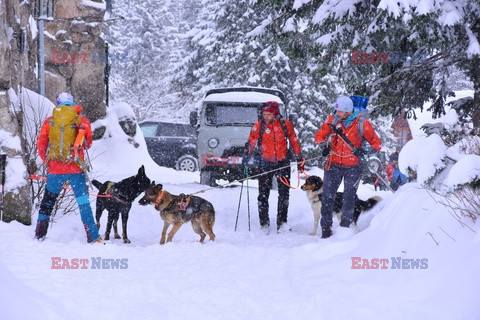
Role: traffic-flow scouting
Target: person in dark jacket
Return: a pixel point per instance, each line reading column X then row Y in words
column 273, row 145
column 59, row 172
column 343, row 163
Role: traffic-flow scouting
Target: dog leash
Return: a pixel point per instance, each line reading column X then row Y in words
column 38, row 177
column 284, row 179
column 249, row 177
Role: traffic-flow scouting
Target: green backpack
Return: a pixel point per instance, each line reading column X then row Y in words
column 64, row 126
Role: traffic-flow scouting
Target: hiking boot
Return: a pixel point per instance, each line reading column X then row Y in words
column 326, row 233
column 284, row 228
column 99, row 240
column 41, row 230
column 265, row 229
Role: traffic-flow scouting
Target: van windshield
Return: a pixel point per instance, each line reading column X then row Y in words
column 222, row 114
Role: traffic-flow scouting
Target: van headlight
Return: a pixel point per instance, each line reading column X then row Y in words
column 213, row 143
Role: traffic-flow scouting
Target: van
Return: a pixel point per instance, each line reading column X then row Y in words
column 223, row 126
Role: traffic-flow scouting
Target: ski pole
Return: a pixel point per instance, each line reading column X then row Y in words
column 248, row 199
column 381, row 178
column 238, row 209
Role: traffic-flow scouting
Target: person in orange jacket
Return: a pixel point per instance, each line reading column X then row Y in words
column 60, row 172
column 274, row 155
column 343, row 163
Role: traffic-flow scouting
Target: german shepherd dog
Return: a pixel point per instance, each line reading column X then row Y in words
column 117, row 198
column 179, row 209
column 313, row 186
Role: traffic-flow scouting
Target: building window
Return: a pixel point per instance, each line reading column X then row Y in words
column 402, row 137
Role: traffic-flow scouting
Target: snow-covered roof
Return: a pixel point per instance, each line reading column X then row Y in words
column 250, row 97
column 244, row 94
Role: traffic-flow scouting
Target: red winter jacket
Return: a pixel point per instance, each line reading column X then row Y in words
column 274, row 142
column 341, row 153
column 57, row 167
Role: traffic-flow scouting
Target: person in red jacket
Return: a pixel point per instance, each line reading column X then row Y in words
column 273, row 145
column 343, row 163
column 59, row 172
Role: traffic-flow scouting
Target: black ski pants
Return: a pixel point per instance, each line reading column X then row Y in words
column 264, row 186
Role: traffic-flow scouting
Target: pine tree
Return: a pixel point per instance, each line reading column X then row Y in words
column 149, row 36
column 431, row 36
column 226, row 50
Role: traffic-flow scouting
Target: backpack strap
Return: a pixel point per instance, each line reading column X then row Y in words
column 284, row 128
column 361, row 122
column 262, row 131
column 260, row 138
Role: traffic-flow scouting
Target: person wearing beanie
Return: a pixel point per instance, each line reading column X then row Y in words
column 270, row 137
column 343, row 163
column 66, row 168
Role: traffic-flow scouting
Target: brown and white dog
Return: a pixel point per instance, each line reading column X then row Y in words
column 178, row 209
column 313, row 186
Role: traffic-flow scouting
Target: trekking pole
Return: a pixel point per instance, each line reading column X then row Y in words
column 250, row 177
column 381, row 178
column 3, row 163
column 248, row 199
column 238, row 209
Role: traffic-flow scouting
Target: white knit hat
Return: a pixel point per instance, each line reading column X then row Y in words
column 65, row 99
column 344, row 104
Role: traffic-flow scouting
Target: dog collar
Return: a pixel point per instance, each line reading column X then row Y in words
column 159, row 198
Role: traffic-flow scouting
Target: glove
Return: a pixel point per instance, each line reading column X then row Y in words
column 300, row 163
column 360, row 152
column 325, row 149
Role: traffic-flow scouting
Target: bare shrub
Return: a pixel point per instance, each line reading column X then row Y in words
column 463, row 202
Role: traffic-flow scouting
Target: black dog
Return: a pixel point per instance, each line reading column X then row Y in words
column 117, row 198
column 314, row 188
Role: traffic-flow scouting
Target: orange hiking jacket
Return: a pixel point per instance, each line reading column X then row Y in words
column 341, row 153
column 57, row 167
column 274, row 143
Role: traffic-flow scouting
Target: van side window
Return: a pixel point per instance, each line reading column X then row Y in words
column 210, row 115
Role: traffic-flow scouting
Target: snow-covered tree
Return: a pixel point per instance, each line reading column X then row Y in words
column 225, row 49
column 147, row 36
column 423, row 38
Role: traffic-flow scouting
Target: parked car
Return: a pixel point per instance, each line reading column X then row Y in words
column 171, row 144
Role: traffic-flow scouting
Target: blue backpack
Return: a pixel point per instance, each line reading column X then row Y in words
column 360, row 105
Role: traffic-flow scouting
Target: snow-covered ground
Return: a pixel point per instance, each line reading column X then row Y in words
column 244, row 274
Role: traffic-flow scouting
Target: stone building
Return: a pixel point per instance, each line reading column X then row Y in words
column 75, row 58
column 73, row 29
